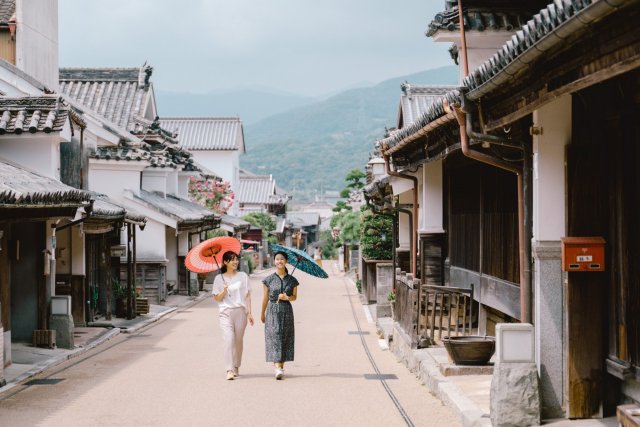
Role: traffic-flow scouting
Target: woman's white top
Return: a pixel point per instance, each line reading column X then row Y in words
column 237, row 291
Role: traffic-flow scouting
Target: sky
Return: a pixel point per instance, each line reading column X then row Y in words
column 306, row 47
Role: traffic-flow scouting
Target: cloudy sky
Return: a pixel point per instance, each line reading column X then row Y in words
column 308, row 47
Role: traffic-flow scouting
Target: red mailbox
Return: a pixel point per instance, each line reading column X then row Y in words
column 583, row 253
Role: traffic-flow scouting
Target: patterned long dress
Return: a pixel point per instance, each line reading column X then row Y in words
column 279, row 333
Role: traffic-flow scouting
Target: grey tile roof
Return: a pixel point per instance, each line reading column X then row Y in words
column 156, row 156
column 23, row 188
column 32, row 114
column 484, row 15
column 207, row 133
column 433, row 112
column 549, row 27
column 544, row 31
column 259, row 190
column 303, row 219
column 121, row 153
column 104, row 208
column 80, row 112
column 7, row 11
column 416, row 101
column 256, row 189
column 234, row 223
column 183, row 211
column 152, row 131
column 379, row 192
column 117, row 94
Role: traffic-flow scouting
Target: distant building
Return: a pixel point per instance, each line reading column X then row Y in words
column 259, row 193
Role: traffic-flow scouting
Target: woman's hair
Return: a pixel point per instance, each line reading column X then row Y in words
column 284, row 254
column 228, row 256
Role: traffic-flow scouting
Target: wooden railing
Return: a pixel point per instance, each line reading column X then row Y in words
column 449, row 310
column 406, row 305
column 426, row 313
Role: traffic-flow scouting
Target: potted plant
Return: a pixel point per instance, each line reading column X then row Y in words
column 202, row 277
column 142, row 303
column 119, row 293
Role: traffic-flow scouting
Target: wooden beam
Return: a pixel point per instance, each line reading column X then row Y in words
column 541, row 96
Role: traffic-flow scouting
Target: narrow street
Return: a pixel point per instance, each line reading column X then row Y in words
column 171, row 373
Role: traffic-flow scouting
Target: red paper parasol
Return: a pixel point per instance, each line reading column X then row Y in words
column 207, row 256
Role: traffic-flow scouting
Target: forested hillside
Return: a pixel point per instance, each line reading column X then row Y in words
column 311, row 148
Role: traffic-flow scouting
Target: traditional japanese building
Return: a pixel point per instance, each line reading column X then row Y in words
column 534, row 150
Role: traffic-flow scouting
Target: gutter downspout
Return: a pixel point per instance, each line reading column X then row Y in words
column 465, row 123
column 414, row 208
column 466, row 130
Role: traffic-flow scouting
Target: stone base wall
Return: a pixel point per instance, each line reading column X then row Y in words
column 384, row 285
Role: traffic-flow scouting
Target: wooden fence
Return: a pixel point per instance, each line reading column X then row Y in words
column 425, row 312
column 406, row 304
column 445, row 309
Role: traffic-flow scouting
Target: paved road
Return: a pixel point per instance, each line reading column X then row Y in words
column 171, row 373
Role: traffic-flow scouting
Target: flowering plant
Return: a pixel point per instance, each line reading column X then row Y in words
column 212, row 194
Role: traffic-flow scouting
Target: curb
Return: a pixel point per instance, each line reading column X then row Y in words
column 100, row 339
column 54, row 361
column 163, row 313
column 425, row 367
column 147, row 322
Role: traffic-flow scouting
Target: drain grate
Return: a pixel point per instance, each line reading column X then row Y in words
column 358, row 332
column 380, row 377
column 45, row 381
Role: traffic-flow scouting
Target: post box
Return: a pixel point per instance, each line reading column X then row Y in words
column 582, row 253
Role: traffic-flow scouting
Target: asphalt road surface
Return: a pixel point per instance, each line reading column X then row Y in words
column 172, row 373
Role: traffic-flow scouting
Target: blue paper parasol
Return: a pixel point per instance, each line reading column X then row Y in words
column 301, row 260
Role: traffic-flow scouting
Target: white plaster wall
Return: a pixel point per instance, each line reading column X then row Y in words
column 222, row 163
column 114, row 178
column 108, row 178
column 172, row 183
column 404, row 226
column 183, row 244
column 401, row 185
column 183, row 184
column 151, row 243
column 78, row 260
column 480, row 45
column 549, row 222
column 431, row 198
column 172, row 253
column 155, row 180
column 20, row 150
column 37, row 40
column 15, row 83
column 63, row 251
column 225, row 164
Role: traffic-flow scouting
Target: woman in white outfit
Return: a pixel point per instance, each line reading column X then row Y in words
column 232, row 292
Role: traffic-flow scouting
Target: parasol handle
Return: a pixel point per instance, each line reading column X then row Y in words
column 219, row 272
column 296, row 266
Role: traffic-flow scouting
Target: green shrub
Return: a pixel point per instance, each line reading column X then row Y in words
column 376, row 240
column 359, row 286
column 248, row 260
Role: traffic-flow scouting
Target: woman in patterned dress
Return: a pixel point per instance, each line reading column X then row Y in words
column 280, row 289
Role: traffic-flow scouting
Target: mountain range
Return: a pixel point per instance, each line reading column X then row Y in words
column 311, row 148
column 307, row 144
column 250, row 104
